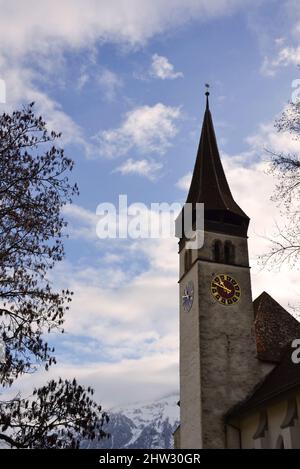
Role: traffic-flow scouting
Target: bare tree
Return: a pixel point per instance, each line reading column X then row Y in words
column 59, row 415
column 285, row 245
column 34, row 186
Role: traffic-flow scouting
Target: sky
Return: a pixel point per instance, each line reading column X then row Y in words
column 123, row 80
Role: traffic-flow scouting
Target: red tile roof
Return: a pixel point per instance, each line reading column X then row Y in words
column 274, row 328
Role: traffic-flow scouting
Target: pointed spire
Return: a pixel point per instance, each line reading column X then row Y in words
column 209, row 184
column 207, row 95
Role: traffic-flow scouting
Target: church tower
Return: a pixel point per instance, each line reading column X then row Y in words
column 218, row 365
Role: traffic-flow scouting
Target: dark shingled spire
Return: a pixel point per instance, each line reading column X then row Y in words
column 209, row 185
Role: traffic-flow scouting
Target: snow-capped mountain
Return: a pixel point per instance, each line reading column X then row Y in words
column 141, row 426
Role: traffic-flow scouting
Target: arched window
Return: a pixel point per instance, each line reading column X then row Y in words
column 229, row 252
column 187, row 259
column 217, row 251
column 280, row 443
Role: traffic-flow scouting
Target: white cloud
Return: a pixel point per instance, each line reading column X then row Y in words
column 279, row 41
column 41, row 38
column 163, row 69
column 284, row 57
column 252, row 186
column 288, row 56
column 146, row 168
column 267, row 138
column 149, row 129
column 122, row 327
column 184, row 182
column 267, row 68
column 111, row 302
column 127, row 381
column 20, row 88
column 81, row 222
column 129, row 321
column 79, row 23
column 82, row 80
column 112, row 258
column 109, row 82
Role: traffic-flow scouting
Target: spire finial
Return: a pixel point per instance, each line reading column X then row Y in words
column 207, row 95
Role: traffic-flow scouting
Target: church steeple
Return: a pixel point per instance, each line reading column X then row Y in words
column 209, row 185
column 218, row 357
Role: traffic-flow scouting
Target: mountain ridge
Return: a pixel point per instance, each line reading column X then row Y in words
column 146, row 425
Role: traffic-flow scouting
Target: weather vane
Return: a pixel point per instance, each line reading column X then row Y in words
column 207, row 86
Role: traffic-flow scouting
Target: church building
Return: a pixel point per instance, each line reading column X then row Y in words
column 239, row 387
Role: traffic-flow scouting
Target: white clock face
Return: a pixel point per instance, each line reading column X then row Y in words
column 188, row 296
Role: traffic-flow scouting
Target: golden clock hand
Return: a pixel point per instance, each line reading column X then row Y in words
column 221, row 281
column 228, row 290
column 223, row 285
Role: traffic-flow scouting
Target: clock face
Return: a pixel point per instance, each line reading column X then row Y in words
column 188, row 296
column 225, row 289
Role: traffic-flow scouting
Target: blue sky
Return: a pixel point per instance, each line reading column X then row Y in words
column 124, row 82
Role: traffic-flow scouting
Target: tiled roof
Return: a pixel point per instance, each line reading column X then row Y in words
column 274, row 328
column 284, row 377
